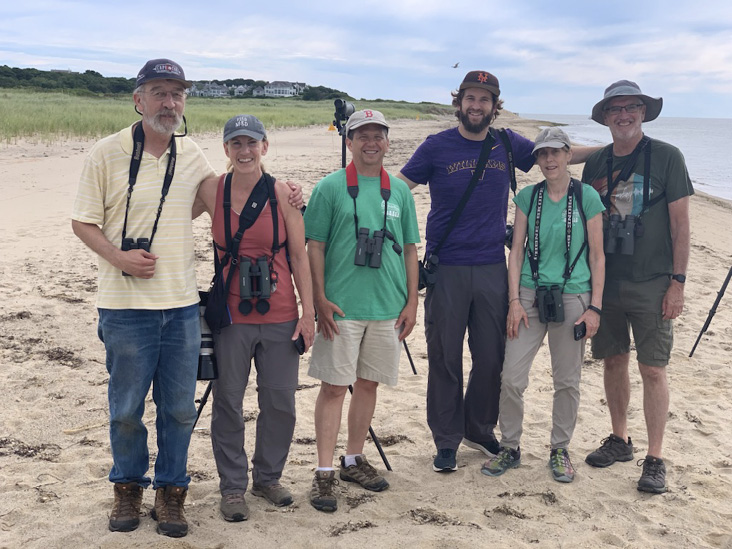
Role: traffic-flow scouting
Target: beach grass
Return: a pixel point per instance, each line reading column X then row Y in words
column 49, row 116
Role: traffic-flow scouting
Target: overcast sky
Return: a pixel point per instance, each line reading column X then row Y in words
column 550, row 56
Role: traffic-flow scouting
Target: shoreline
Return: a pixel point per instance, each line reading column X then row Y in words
column 54, row 445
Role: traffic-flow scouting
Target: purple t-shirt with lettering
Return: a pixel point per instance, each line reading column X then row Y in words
column 446, row 162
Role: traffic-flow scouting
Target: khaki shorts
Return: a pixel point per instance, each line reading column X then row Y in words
column 636, row 305
column 366, row 349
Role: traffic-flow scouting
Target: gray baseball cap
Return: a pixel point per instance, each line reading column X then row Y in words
column 244, row 124
column 161, row 68
column 366, row 116
column 553, row 137
column 624, row 88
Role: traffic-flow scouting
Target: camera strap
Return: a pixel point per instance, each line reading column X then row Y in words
column 574, row 194
column 352, row 186
column 138, row 137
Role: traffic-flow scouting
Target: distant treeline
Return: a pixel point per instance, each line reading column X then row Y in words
column 94, row 83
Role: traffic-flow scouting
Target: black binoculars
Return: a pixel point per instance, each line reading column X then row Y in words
column 254, row 281
column 135, row 244
column 620, row 234
column 369, row 248
column 550, row 304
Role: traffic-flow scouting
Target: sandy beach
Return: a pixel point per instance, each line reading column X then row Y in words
column 54, row 443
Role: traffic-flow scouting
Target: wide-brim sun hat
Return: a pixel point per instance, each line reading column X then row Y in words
column 624, row 88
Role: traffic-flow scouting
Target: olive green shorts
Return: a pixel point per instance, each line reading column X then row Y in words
column 635, row 305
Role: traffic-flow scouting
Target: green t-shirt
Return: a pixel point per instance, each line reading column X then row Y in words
column 552, row 241
column 653, row 252
column 362, row 293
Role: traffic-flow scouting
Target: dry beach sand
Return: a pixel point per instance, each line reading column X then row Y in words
column 54, row 449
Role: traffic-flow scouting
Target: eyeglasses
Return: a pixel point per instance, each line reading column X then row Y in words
column 630, row 109
column 161, row 96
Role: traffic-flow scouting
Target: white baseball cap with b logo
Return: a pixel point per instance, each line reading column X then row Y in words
column 366, row 116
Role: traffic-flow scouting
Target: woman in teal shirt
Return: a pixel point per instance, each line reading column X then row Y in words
column 556, row 272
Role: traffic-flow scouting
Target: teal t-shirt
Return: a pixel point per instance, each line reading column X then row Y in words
column 552, row 239
column 362, row 293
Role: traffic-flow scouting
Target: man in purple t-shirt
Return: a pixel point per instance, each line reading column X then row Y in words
column 471, row 291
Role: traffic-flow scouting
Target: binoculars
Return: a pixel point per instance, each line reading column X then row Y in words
column 550, row 304
column 428, row 272
column 254, row 281
column 369, row 248
column 135, row 244
column 620, row 234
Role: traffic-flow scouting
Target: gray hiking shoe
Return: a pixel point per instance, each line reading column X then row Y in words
column 234, row 507
column 125, row 516
column 364, row 474
column 322, row 496
column 561, row 466
column 653, row 478
column 275, row 493
column 506, row 459
column 612, row 449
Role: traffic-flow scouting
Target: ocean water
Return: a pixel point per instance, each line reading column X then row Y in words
column 704, row 142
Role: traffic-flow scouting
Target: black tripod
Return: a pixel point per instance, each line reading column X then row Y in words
column 713, row 310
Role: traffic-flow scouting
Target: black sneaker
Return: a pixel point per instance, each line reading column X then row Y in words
column 612, row 449
column 445, row 461
column 489, row 447
column 653, row 478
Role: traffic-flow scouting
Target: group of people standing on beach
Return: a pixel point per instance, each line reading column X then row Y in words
column 588, row 259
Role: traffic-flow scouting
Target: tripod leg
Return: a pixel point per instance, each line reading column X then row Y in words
column 409, row 356
column 376, row 440
column 204, row 399
column 712, row 311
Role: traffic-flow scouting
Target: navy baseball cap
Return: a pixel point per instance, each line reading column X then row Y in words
column 244, row 124
column 161, row 68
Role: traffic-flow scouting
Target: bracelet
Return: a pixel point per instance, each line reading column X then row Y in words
column 511, row 300
column 593, row 308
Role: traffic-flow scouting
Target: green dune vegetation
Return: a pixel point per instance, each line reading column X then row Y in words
column 50, row 116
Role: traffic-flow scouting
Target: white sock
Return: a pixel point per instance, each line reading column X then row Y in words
column 350, row 459
column 325, row 468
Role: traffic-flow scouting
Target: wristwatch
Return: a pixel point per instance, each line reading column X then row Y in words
column 679, row 278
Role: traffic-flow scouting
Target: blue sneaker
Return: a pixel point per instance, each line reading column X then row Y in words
column 445, row 461
column 505, row 460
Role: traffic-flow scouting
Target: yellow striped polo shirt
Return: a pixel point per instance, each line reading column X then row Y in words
column 101, row 200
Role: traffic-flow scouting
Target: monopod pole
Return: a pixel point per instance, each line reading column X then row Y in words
column 713, row 310
column 376, row 440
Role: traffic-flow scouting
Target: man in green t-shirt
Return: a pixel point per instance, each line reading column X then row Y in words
column 362, row 229
column 645, row 187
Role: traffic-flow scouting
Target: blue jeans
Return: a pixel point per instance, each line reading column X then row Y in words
column 144, row 347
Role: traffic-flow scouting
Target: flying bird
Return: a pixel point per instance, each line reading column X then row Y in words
column 455, row 66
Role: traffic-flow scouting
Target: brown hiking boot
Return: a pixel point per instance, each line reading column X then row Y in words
column 322, row 496
column 364, row 474
column 125, row 515
column 168, row 511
